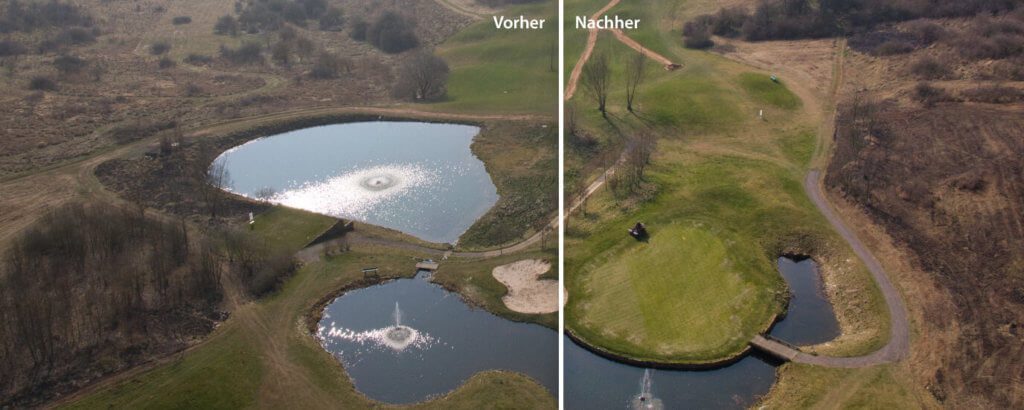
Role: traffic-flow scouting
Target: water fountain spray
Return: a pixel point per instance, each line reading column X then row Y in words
column 398, row 337
column 646, row 399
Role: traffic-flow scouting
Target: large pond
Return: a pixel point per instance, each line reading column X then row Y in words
column 593, row 382
column 419, row 178
column 408, row 340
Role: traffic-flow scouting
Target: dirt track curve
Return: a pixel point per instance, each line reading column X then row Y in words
column 898, row 346
column 577, row 70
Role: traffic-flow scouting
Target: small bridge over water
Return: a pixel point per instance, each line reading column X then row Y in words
column 775, row 348
column 427, row 265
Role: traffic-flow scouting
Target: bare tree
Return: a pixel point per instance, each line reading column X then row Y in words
column 596, row 80
column 639, row 157
column 217, row 180
column 423, row 78
column 634, row 77
column 571, row 126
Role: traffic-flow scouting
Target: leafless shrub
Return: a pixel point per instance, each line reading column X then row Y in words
column 424, row 77
column 930, row 68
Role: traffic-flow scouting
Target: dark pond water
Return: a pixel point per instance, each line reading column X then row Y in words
column 593, row 382
column 809, row 319
column 419, row 178
column 408, row 340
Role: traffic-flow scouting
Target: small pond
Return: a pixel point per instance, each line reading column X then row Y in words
column 593, row 382
column 408, row 340
column 419, row 178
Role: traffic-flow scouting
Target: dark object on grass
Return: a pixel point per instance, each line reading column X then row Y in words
column 639, row 231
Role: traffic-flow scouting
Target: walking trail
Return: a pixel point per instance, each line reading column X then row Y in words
column 898, row 346
column 577, row 70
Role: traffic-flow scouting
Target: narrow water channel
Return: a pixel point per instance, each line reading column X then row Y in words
column 593, row 382
column 408, row 340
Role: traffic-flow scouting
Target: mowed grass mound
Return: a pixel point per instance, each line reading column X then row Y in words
column 291, row 228
column 761, row 88
column 648, row 299
column 504, row 71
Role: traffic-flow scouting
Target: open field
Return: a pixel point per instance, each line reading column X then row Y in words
column 508, row 71
column 722, row 198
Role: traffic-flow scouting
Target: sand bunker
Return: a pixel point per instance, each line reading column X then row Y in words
column 527, row 294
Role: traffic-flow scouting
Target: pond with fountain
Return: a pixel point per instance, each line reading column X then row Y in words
column 408, row 340
column 594, row 382
column 419, row 178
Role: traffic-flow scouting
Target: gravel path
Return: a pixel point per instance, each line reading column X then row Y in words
column 899, row 338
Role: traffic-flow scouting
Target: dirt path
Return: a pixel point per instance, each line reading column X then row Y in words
column 577, row 70
column 899, row 338
column 574, row 78
column 622, row 37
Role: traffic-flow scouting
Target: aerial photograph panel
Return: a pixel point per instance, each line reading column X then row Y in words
column 279, row 204
column 793, row 204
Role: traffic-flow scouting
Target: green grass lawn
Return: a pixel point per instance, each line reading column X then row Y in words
column 761, row 88
column 684, row 273
column 504, row 71
column 289, row 228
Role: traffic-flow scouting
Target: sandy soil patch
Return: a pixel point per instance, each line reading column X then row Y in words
column 526, row 293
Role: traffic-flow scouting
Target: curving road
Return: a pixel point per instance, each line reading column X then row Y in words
column 898, row 346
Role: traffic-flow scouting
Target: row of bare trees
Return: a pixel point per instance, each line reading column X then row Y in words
column 92, row 288
column 97, row 279
column 597, row 80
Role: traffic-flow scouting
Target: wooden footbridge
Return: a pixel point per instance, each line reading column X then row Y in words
column 427, row 264
column 775, row 348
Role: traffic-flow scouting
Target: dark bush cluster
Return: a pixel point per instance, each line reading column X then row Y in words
column 328, row 65
column 271, row 15
column 159, row 47
column 42, row 83
column 929, row 95
column 930, row 68
column 11, row 48
column 423, row 77
column 69, row 64
column 27, row 16
column 991, row 38
column 697, row 34
column 198, row 59
column 793, row 19
column 179, row 20
column 390, row 32
column 166, row 62
column 226, row 26
column 248, row 53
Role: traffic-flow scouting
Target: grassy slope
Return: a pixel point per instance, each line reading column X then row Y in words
column 504, row 71
column 263, row 356
column 728, row 196
column 522, row 161
column 291, row 228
